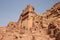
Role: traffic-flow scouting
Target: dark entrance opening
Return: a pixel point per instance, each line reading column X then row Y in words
column 58, row 36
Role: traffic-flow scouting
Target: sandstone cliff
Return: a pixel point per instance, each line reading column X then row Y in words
column 32, row 26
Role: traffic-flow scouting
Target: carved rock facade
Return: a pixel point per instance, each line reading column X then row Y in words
column 32, row 26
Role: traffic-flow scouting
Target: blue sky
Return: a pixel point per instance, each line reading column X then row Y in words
column 10, row 10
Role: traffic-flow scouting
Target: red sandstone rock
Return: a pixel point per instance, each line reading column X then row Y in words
column 32, row 26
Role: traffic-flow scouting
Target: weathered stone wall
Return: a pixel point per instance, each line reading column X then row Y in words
column 32, row 26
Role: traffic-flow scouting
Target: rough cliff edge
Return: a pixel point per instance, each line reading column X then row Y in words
column 33, row 26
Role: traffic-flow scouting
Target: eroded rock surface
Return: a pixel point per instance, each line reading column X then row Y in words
column 33, row 26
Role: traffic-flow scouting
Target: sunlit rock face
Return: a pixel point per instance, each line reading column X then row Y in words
column 33, row 26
